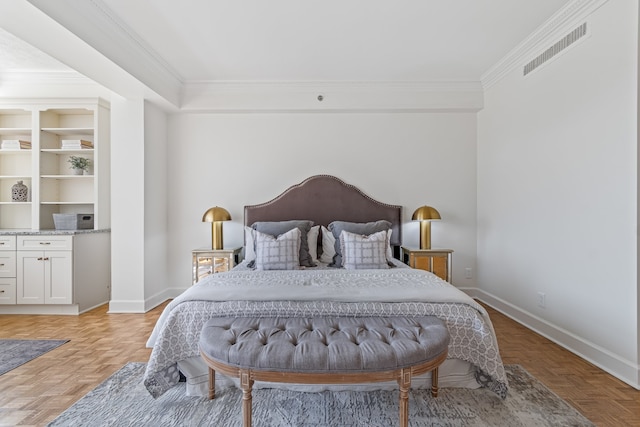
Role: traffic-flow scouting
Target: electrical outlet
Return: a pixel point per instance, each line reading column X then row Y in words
column 542, row 300
column 468, row 274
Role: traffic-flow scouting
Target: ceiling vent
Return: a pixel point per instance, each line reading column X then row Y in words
column 564, row 43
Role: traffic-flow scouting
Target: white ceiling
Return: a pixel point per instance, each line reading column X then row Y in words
column 333, row 40
column 299, row 41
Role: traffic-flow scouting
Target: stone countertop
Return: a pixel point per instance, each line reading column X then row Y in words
column 28, row 232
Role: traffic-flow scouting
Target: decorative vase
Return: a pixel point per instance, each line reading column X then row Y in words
column 77, row 171
column 19, row 192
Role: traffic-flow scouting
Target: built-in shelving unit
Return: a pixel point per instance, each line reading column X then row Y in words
column 45, row 168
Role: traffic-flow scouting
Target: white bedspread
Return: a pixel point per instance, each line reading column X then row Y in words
column 322, row 292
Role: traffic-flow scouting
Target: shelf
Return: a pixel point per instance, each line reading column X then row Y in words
column 67, row 151
column 66, row 203
column 18, row 177
column 15, row 203
column 69, row 131
column 66, row 176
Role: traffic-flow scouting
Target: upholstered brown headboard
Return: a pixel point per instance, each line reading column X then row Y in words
column 323, row 199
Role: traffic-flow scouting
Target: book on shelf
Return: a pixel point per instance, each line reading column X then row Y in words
column 75, row 144
column 15, row 144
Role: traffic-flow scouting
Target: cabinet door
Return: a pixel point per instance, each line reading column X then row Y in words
column 58, row 277
column 31, row 277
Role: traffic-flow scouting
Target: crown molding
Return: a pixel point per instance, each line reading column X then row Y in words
column 555, row 27
column 350, row 86
column 234, row 96
column 45, row 78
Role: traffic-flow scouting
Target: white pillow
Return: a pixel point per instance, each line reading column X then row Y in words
column 328, row 246
column 249, row 248
column 278, row 253
column 312, row 240
column 364, row 252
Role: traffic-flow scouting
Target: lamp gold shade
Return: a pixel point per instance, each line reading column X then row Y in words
column 425, row 214
column 215, row 216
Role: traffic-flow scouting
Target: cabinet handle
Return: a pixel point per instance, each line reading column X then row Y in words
column 45, row 243
column 1, row 265
column 40, row 258
column 1, row 243
column 2, row 292
column 46, row 258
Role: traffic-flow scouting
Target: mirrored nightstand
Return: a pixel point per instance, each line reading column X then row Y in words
column 437, row 261
column 208, row 261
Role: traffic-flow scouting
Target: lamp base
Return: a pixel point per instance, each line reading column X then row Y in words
column 216, row 235
column 425, row 234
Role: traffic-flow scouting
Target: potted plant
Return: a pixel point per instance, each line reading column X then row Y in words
column 79, row 164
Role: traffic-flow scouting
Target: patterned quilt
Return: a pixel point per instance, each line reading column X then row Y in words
column 323, row 292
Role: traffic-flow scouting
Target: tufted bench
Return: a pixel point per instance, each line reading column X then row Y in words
column 324, row 350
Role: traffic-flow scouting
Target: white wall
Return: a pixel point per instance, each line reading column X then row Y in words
column 127, row 205
column 139, row 206
column 155, row 206
column 232, row 160
column 557, row 194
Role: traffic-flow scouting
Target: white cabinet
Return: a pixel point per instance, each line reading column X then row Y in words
column 45, row 276
column 7, row 269
column 55, row 272
column 45, row 168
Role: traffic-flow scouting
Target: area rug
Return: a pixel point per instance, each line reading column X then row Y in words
column 14, row 353
column 122, row 400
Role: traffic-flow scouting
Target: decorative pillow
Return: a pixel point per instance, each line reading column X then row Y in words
column 281, row 227
column 362, row 228
column 360, row 252
column 312, row 241
column 278, row 253
column 328, row 246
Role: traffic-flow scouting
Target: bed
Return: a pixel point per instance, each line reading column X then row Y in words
column 328, row 276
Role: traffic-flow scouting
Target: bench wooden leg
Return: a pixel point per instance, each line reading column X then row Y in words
column 405, row 384
column 246, row 383
column 434, row 382
column 212, row 384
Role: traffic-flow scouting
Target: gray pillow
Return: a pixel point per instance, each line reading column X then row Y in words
column 276, row 228
column 366, row 228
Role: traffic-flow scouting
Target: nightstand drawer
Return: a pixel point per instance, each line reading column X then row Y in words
column 7, row 263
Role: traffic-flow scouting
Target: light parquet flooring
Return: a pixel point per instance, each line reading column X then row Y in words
column 101, row 343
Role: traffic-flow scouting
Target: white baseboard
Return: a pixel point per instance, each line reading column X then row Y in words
column 609, row 362
column 142, row 306
column 121, row 306
column 47, row 309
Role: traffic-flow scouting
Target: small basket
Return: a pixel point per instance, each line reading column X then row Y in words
column 73, row 221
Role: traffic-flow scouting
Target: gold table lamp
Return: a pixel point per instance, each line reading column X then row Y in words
column 425, row 214
column 215, row 216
